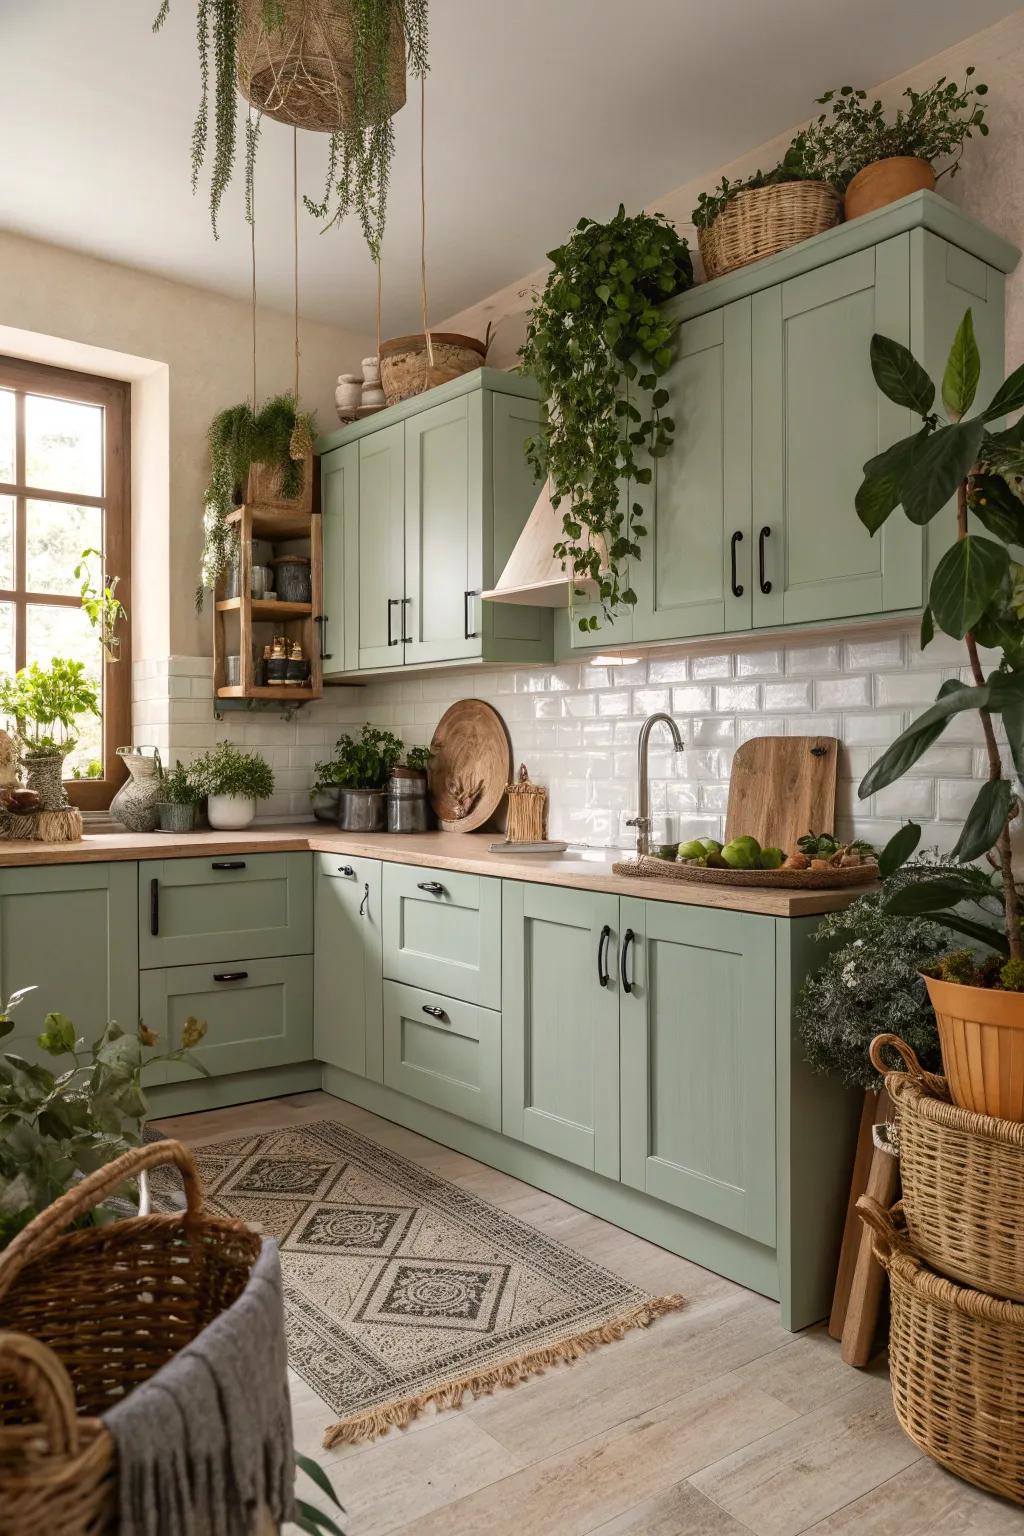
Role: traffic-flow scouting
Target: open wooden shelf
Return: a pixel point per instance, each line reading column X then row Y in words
column 266, row 608
column 278, row 691
column 268, row 523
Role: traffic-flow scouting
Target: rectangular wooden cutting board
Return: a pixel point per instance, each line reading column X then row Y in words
column 781, row 787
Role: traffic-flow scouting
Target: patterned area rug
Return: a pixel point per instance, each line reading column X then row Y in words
column 401, row 1289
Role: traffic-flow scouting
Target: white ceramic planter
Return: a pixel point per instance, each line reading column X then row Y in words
column 230, row 813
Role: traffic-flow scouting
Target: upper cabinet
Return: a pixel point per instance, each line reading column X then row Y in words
column 422, row 506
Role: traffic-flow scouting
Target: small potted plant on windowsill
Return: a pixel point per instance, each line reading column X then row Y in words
column 358, row 771
column 45, row 704
column 179, row 796
column 232, row 781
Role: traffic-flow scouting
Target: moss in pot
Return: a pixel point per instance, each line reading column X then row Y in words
column 357, row 774
column 233, row 782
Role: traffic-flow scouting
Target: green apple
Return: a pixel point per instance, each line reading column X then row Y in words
column 711, row 844
column 771, row 858
column 742, row 853
column 694, row 849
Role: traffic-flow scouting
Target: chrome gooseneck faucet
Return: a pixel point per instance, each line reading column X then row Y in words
column 642, row 819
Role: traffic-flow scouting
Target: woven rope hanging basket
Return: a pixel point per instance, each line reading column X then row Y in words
column 302, row 72
column 762, row 221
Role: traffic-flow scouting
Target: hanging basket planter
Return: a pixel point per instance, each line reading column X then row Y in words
column 302, row 72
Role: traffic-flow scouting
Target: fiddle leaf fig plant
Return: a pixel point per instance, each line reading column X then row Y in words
column 974, row 597
column 599, row 344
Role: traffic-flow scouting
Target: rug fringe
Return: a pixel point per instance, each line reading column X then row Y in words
column 367, row 1426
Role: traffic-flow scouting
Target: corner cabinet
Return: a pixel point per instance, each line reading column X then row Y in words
column 422, row 505
column 752, row 522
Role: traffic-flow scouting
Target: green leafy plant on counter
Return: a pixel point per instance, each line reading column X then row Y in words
column 100, row 602
column 279, row 434
column 801, row 162
column 55, row 1125
column 180, row 786
column 599, row 344
column 45, row 704
column 363, row 762
column 226, row 770
column 417, row 759
column 971, row 598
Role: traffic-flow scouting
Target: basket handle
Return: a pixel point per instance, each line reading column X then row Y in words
column 39, row 1375
column 43, row 1231
column 913, row 1068
column 881, row 1224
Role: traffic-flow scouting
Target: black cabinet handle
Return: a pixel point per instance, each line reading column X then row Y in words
column 737, row 538
column 366, row 898
column 628, row 937
column 393, row 602
column 321, row 622
column 602, row 956
column 154, row 907
column 228, row 864
column 346, row 869
column 231, row 975
column 765, row 533
column 433, row 886
column 434, row 1011
column 406, row 639
column 470, row 634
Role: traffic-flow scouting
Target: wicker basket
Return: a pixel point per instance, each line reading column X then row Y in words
column 963, row 1179
column 81, row 1306
column 647, row 867
column 263, row 488
column 765, row 220
column 956, row 1363
column 405, row 368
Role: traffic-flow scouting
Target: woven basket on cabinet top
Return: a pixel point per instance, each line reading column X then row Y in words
column 765, row 220
column 962, row 1177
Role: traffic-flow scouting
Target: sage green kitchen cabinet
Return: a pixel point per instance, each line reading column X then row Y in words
column 347, row 970
column 560, row 1023
column 698, row 1062
column 442, row 931
column 339, row 622
column 375, row 535
column 259, row 1013
column 443, row 530
column 230, row 907
column 444, row 1052
column 71, row 932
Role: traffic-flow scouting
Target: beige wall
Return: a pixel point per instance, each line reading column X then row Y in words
column 188, row 354
column 990, row 184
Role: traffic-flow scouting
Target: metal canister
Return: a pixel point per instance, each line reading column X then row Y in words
column 408, row 809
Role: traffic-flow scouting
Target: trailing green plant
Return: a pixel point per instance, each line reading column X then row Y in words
column 971, row 598
column 100, row 602
column 181, row 787
column 800, row 163
column 417, row 759
column 363, row 762
column 934, row 126
column 279, row 434
column 599, row 342
column 227, row 770
column 55, row 1125
column 46, row 702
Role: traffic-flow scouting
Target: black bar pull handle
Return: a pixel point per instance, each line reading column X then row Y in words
column 602, row 956
column 231, row 975
column 434, row 887
column 765, row 533
column 228, row 864
column 321, row 622
column 627, row 940
column 434, row 1011
column 393, row 602
column 154, row 907
column 470, row 634
column 406, row 639
column 737, row 538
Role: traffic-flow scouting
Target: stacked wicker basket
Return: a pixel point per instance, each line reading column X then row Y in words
column 953, row 1249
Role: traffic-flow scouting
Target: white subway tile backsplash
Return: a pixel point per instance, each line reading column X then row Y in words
column 874, row 727
column 810, row 660
column 649, row 701
column 842, row 692
column 714, row 731
column 760, row 664
column 907, row 797
column 786, row 696
column 703, row 667
column 693, row 700
column 670, row 669
column 734, row 698
column 613, row 703
column 873, row 655
column 913, row 688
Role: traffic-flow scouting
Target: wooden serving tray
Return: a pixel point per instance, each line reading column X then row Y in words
column 649, row 868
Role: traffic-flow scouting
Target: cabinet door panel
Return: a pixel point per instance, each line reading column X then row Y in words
column 702, row 488
column 560, row 1054
column 443, row 1052
column 442, row 931
column 818, row 416
column 347, row 965
column 225, row 908
column 376, row 568
column 339, row 501
column 443, row 530
column 259, row 1013
column 698, row 1063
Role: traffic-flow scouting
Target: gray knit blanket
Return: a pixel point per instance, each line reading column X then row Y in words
column 206, row 1443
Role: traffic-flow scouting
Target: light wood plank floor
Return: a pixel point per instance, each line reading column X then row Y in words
column 714, row 1422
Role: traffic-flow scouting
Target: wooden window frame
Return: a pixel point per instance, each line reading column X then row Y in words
column 114, row 395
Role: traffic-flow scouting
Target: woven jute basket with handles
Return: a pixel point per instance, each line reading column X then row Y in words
column 762, row 221
column 956, row 1361
column 962, row 1177
column 88, row 1314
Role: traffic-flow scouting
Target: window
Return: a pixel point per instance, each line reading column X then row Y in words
column 64, row 488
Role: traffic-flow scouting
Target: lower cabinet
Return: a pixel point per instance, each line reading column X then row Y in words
column 347, row 965
column 442, row 931
column 259, row 1013
column 444, row 1052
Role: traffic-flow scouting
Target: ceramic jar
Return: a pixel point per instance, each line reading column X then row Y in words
column 886, row 181
column 373, row 393
column 348, row 396
column 134, row 805
column 293, row 578
column 230, row 813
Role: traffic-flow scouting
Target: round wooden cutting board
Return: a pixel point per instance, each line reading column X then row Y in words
column 470, row 767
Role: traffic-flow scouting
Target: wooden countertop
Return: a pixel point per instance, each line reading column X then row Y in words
column 469, row 852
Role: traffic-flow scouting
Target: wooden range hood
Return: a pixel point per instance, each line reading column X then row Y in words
column 533, row 576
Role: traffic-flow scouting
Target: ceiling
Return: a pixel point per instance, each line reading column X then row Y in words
column 536, row 110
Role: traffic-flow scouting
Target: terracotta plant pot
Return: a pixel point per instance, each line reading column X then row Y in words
column 981, row 1032
column 885, row 181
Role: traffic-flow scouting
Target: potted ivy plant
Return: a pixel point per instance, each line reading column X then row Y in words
column 45, row 704
column 878, row 159
column 599, row 344
column 233, row 782
column 356, row 774
column 979, row 1001
column 179, row 795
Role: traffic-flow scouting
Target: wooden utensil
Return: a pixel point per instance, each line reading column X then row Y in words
column 781, row 787
column 470, row 766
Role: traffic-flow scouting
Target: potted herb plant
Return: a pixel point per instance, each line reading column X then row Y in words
column 878, row 159
column 357, row 773
column 599, row 344
column 407, row 805
column 979, row 1002
column 45, row 704
column 232, row 781
column 179, row 796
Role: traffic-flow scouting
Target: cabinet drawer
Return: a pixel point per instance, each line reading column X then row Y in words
column 443, row 1052
column 225, row 908
column 442, row 931
column 347, row 965
column 259, row 1014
